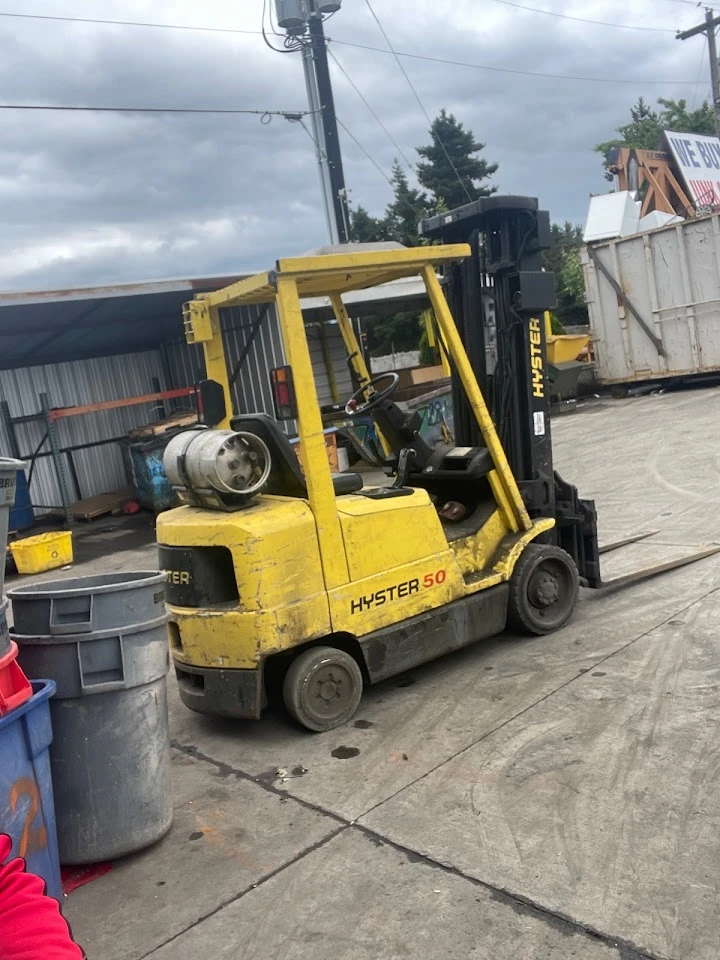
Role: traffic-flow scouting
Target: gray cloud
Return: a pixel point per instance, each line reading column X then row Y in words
column 92, row 198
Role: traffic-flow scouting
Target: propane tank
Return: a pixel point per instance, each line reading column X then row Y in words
column 217, row 468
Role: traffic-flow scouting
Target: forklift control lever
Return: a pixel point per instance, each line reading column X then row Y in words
column 406, row 461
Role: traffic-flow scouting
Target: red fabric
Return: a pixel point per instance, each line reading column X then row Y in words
column 31, row 925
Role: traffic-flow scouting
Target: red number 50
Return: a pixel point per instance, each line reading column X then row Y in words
column 435, row 579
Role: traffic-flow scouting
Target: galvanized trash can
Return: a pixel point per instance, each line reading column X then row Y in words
column 85, row 604
column 111, row 749
column 8, row 480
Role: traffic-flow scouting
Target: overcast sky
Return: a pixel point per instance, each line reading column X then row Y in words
column 96, row 198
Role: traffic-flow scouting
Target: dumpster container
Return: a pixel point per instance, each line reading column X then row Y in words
column 86, row 604
column 8, row 481
column 144, row 462
column 111, row 749
column 27, row 813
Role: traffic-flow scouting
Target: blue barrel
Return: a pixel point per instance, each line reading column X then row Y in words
column 21, row 515
column 27, row 811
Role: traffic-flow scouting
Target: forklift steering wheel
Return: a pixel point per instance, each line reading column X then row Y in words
column 353, row 408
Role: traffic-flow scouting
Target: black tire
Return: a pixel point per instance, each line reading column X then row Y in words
column 543, row 590
column 322, row 688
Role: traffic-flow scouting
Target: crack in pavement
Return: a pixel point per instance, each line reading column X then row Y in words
column 225, row 770
column 516, row 901
column 253, row 886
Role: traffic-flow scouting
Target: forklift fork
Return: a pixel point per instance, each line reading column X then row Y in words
column 616, row 544
column 647, row 573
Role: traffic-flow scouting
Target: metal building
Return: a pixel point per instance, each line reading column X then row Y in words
column 85, row 346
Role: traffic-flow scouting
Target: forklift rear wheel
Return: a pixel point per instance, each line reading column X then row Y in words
column 543, row 590
column 322, row 688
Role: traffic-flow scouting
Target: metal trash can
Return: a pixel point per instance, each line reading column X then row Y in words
column 111, row 748
column 8, row 481
column 86, row 604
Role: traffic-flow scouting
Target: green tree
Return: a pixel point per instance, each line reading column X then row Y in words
column 450, row 157
column 365, row 228
column 646, row 126
column 408, row 207
column 563, row 259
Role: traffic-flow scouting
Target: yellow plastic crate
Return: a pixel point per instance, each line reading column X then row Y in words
column 46, row 551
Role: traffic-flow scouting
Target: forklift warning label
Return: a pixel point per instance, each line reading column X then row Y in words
column 397, row 592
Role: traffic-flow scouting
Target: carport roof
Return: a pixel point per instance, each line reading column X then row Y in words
column 55, row 325
column 52, row 326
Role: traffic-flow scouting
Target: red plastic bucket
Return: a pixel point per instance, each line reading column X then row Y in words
column 15, row 688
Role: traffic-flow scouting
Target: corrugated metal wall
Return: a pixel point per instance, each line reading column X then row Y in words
column 252, row 392
column 99, row 469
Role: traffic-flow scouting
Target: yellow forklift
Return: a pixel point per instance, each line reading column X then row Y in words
column 311, row 581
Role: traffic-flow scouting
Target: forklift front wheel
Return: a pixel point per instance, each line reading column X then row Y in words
column 322, row 688
column 543, row 590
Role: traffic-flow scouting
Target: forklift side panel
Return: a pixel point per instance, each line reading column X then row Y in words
column 422, row 638
column 380, row 535
column 394, row 595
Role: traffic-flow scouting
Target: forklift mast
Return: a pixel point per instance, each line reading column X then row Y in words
column 498, row 297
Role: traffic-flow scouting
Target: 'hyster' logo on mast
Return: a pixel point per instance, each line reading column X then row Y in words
column 536, row 360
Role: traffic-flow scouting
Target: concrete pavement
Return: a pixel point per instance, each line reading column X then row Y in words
column 543, row 798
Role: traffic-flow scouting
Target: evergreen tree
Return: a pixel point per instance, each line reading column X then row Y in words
column 365, row 228
column 406, row 210
column 450, row 155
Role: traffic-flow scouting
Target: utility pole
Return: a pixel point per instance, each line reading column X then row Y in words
column 303, row 20
column 708, row 28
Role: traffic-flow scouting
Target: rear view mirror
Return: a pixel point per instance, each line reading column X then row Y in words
column 211, row 402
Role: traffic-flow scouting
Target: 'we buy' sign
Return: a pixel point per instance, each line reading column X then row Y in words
column 698, row 159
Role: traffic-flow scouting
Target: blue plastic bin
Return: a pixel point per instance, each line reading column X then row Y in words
column 27, row 811
column 22, row 514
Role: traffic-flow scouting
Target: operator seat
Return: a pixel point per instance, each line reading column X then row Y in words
column 286, row 479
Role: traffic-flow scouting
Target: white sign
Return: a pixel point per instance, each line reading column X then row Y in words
column 698, row 159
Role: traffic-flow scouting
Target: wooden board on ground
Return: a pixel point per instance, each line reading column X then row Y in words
column 92, row 507
column 183, row 418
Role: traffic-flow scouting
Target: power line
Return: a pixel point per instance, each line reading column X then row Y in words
column 364, row 100
column 288, row 114
column 637, row 81
column 129, row 23
column 367, row 153
column 359, row 46
column 699, row 75
column 597, row 23
column 420, row 103
column 418, row 213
